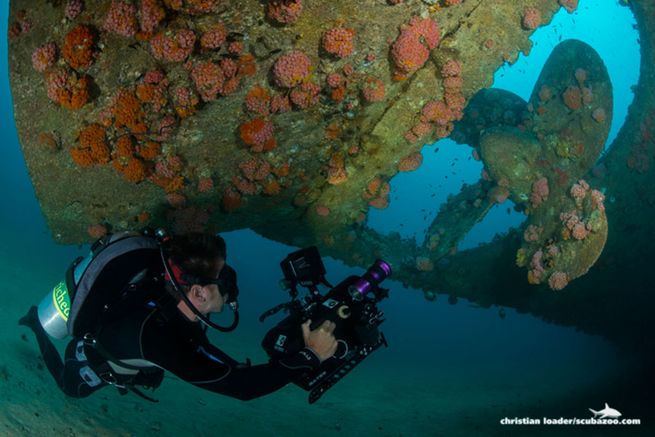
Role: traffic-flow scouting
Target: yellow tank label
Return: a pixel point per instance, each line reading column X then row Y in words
column 61, row 299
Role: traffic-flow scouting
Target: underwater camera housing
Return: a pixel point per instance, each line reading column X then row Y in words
column 351, row 305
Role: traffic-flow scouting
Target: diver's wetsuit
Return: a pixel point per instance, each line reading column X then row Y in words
column 165, row 337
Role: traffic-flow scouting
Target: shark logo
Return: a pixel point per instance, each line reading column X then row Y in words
column 606, row 412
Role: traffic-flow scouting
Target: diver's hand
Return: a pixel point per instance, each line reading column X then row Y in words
column 321, row 340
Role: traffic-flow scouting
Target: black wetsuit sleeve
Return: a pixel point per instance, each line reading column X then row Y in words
column 251, row 382
column 211, row 369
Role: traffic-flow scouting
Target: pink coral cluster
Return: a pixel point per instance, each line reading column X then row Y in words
column 573, row 226
column 258, row 100
column 154, row 90
column 540, row 192
column 373, row 90
column 579, row 190
column 377, row 193
column 599, row 115
column 73, row 8
column 214, row 38
column 498, row 194
column 537, row 268
column 598, row 200
column 255, row 169
column 451, row 68
column 235, row 47
column 121, row 18
column 169, row 166
column 258, row 134
column 67, row 88
column 453, row 82
column 185, row 100
column 335, row 80
column 558, row 280
column 531, row 18
column 411, row 162
column 291, row 69
column 572, row 98
column 532, row 233
column 173, row 46
column 151, row 13
column 436, row 111
column 44, row 57
column 305, row 95
column 284, row 11
column 208, row 79
column 412, row 47
column 338, row 42
column 164, row 128
column 280, row 103
column 442, row 113
column 20, row 26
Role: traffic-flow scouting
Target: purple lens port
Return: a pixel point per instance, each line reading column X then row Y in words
column 377, row 273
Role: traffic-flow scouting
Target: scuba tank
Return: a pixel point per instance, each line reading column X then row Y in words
column 75, row 304
column 54, row 309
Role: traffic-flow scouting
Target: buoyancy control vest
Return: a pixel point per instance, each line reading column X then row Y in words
column 76, row 305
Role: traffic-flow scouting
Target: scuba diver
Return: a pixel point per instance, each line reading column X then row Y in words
column 158, row 323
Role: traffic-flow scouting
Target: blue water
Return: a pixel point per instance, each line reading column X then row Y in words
column 444, row 362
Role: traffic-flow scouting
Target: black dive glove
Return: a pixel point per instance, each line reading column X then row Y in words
column 303, row 359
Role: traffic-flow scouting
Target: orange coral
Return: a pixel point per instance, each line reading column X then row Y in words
column 573, row 98
column 247, row 65
column 67, row 88
column 282, row 170
column 258, row 133
column 146, row 92
column 377, row 193
column 78, row 48
column 258, row 100
column 92, row 148
column 128, row 112
column 338, row 94
column 133, row 169
column 411, row 162
column 171, row 185
column 149, row 150
column 82, row 157
column 271, row 188
column 124, row 147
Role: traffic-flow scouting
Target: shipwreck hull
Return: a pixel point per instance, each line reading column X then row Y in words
column 307, row 169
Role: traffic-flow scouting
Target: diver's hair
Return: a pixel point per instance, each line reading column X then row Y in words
column 196, row 253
